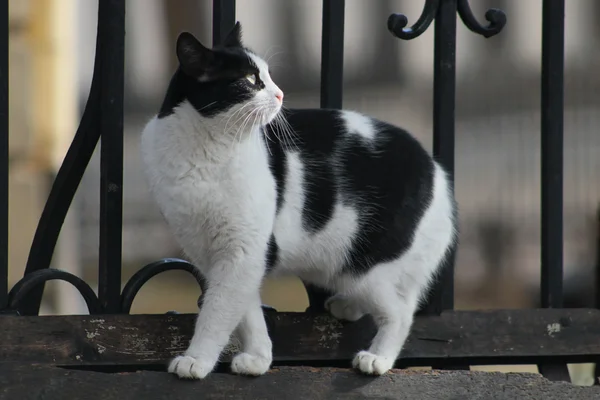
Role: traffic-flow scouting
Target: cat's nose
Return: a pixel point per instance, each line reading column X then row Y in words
column 279, row 96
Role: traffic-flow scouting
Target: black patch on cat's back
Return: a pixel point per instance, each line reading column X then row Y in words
column 315, row 137
column 391, row 180
column 388, row 180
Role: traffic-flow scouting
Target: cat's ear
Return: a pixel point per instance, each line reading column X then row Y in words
column 194, row 58
column 234, row 37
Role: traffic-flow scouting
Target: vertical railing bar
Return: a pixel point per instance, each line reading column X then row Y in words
column 4, row 156
column 223, row 19
column 444, row 98
column 112, row 17
column 597, row 269
column 552, row 153
column 332, row 53
column 332, row 76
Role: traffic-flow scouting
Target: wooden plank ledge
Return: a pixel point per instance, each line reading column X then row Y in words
column 458, row 337
column 51, row 383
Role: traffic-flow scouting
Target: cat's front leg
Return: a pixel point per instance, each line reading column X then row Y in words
column 256, row 356
column 233, row 284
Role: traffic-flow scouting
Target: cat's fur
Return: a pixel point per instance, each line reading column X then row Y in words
column 341, row 200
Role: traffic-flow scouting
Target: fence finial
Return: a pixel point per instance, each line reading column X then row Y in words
column 495, row 17
column 397, row 22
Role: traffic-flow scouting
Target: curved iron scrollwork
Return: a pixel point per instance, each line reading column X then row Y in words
column 30, row 281
column 397, row 22
column 138, row 280
column 77, row 158
column 495, row 17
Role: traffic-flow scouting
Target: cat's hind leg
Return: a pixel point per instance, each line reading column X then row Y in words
column 393, row 314
column 256, row 356
column 344, row 307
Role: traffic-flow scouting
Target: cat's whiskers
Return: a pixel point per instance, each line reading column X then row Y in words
column 235, row 125
column 256, row 127
column 251, row 116
column 208, row 105
column 275, row 132
column 268, row 58
column 274, row 54
column 265, row 57
column 265, row 138
column 289, row 135
column 237, row 112
column 242, row 127
column 289, row 131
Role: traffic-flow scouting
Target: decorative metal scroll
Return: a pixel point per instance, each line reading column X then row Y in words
column 397, row 22
column 142, row 276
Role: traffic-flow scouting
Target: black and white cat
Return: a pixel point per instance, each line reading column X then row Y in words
column 341, row 200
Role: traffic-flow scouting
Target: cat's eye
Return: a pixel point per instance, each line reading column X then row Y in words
column 251, row 78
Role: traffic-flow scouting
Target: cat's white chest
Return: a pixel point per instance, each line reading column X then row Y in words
column 248, row 179
column 210, row 198
column 243, row 188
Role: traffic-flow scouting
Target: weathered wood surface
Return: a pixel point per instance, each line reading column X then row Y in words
column 49, row 383
column 490, row 337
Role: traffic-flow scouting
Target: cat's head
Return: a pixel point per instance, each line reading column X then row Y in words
column 229, row 81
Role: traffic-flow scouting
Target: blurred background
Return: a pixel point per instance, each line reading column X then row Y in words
column 52, row 44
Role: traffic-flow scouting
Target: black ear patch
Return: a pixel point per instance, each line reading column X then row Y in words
column 194, row 58
column 234, row 37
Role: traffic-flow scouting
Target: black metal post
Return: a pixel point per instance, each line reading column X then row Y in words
column 4, row 156
column 444, row 89
column 332, row 54
column 597, row 269
column 553, row 14
column 597, row 288
column 332, row 75
column 223, row 19
column 552, row 152
column 111, row 18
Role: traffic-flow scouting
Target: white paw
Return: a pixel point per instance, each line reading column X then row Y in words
column 372, row 364
column 189, row 368
column 248, row 364
column 343, row 308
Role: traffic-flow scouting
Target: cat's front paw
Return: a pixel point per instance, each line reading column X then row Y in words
column 372, row 364
column 189, row 367
column 343, row 308
column 248, row 364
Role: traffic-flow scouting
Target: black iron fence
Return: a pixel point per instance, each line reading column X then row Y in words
column 441, row 337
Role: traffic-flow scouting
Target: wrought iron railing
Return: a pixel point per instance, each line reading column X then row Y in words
column 445, row 342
